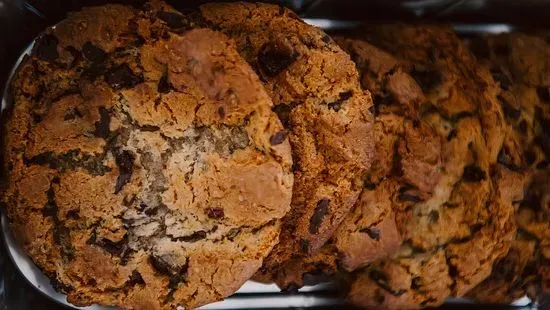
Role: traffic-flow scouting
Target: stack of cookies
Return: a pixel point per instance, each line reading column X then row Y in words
column 154, row 158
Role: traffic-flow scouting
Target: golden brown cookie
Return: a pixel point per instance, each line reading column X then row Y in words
column 315, row 88
column 405, row 170
column 452, row 238
column 136, row 151
column 521, row 63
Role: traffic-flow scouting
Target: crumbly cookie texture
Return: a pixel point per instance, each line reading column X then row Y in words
column 405, row 170
column 317, row 95
column 452, row 238
column 520, row 64
column 138, row 148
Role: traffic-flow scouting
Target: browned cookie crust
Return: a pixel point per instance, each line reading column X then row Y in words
column 452, row 238
column 315, row 88
column 405, row 170
column 136, row 152
column 521, row 65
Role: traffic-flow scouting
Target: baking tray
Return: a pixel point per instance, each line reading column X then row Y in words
column 252, row 295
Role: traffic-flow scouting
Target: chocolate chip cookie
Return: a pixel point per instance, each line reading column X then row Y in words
column 520, row 64
column 452, row 237
column 138, row 147
column 317, row 95
column 405, row 170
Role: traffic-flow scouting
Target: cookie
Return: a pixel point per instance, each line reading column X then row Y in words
column 317, row 95
column 452, row 238
column 404, row 172
column 520, row 63
column 138, row 145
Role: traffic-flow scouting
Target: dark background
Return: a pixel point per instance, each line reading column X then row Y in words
column 21, row 21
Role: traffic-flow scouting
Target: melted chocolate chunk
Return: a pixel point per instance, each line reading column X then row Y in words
column 113, row 247
column 125, row 163
column 426, row 78
column 194, row 237
column 173, row 20
column 278, row 137
column 122, row 76
column 374, row 233
column 160, row 265
column 102, row 126
column 283, row 111
column 318, row 214
column 473, row 173
column 433, row 216
column 416, row 283
column 135, row 279
column 272, row 60
column 93, row 53
column 163, row 85
column 215, row 213
column 501, row 78
column 508, row 109
column 46, row 48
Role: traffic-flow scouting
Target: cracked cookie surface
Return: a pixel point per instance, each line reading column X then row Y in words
column 453, row 237
column 520, row 63
column 317, row 95
column 405, row 170
column 138, row 146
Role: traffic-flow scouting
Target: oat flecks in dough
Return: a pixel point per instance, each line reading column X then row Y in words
column 136, row 154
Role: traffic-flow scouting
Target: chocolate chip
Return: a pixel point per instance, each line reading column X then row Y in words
column 304, row 245
column 501, row 78
column 380, row 100
column 232, row 233
column 433, row 216
column 530, row 157
column 416, row 283
column 426, row 78
column 46, row 48
column 73, row 214
column 173, row 20
column 163, row 85
column 160, row 265
column 544, row 94
column 278, row 137
column 72, row 114
column 508, row 109
column 272, row 60
column 194, row 237
column 475, row 228
column 122, row 76
column 215, row 213
column 113, row 247
column 283, row 111
column 318, row 214
column 504, row 159
column 405, row 195
column 125, row 163
column 369, row 185
column 149, row 128
column 452, row 135
column 326, row 38
column 142, row 207
column 473, row 173
column 374, row 233
column 221, row 112
column 93, row 53
column 335, row 106
column 95, row 70
column 464, row 114
column 151, row 211
column 523, row 127
column 135, row 278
